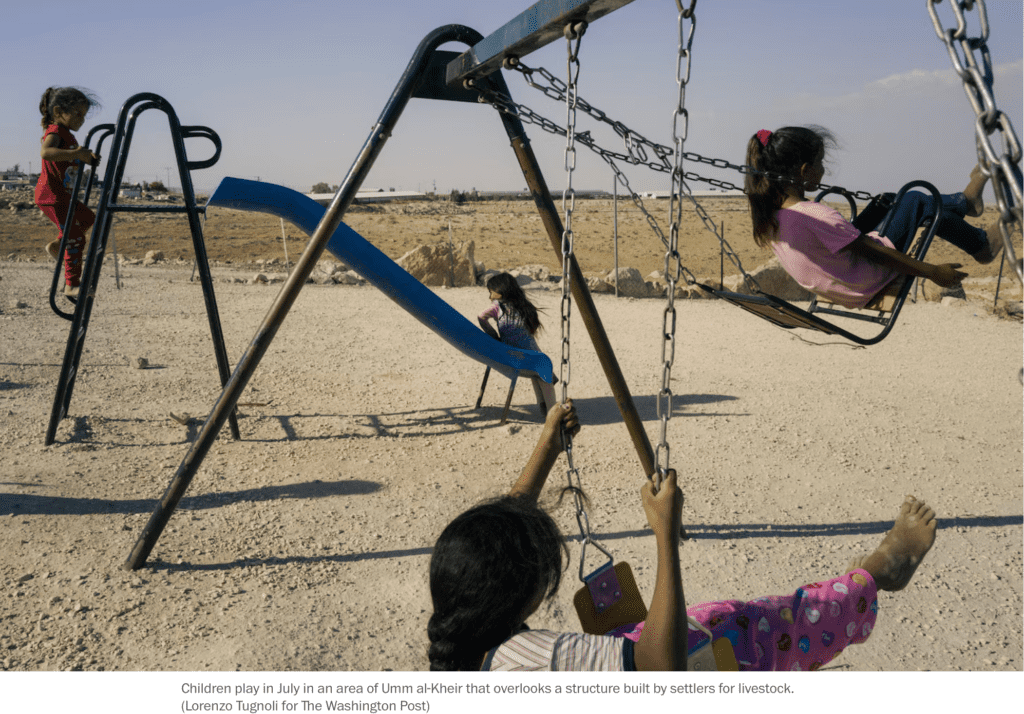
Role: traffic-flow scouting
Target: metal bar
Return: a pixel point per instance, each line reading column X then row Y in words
column 290, row 290
column 615, row 227
column 541, row 23
column 584, row 300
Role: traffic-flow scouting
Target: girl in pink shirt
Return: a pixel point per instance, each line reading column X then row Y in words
column 827, row 254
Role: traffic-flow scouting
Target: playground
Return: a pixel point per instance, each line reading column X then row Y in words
column 297, row 525
column 305, row 545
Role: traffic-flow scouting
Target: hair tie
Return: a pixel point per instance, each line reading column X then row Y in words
column 763, row 135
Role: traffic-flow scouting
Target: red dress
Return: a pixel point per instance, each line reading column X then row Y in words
column 53, row 196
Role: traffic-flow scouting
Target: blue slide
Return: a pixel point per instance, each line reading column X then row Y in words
column 386, row 275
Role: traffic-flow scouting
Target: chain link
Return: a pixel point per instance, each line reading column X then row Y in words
column 680, row 127
column 572, row 32
column 636, row 154
column 1001, row 165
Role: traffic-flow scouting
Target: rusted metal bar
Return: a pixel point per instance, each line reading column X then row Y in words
column 541, row 23
column 581, row 294
column 290, row 290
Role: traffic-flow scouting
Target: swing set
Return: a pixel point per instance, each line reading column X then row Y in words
column 609, row 596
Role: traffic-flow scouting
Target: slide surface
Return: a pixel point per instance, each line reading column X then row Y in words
column 386, row 275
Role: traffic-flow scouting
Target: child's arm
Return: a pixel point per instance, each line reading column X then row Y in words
column 945, row 274
column 485, row 325
column 545, row 453
column 52, row 152
column 662, row 644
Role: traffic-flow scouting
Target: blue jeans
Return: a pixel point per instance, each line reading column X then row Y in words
column 952, row 226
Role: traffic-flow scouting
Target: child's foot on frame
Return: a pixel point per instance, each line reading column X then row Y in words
column 995, row 245
column 53, row 248
column 893, row 563
column 975, row 186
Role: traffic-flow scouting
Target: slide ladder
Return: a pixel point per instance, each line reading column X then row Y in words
column 106, row 206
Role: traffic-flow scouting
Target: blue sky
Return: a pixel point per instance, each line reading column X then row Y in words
column 294, row 88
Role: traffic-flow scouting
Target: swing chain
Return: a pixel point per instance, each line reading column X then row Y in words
column 680, row 126
column 634, row 143
column 572, row 32
column 978, row 80
column 636, row 155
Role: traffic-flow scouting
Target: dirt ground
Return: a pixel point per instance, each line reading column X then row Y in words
column 304, row 546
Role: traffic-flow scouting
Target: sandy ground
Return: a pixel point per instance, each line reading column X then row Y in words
column 305, row 545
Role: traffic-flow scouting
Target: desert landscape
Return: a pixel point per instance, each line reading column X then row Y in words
column 304, row 545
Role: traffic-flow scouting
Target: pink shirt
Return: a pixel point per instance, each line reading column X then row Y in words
column 811, row 247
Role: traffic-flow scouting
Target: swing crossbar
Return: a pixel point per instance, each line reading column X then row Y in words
column 539, row 25
column 888, row 303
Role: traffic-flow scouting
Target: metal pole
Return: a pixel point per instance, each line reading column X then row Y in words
column 721, row 261
column 284, row 240
column 584, row 300
column 615, row 227
column 247, row 364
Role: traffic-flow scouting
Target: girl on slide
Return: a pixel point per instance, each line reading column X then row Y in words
column 494, row 565
column 828, row 255
column 516, row 318
column 64, row 110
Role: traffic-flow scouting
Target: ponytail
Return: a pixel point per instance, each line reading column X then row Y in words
column 780, row 153
column 65, row 99
column 44, row 106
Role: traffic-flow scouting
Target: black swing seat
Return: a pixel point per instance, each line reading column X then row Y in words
column 886, row 305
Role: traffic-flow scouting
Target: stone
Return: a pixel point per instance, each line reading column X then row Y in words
column 934, row 292
column 536, row 272
column 483, row 275
column 631, row 284
column 153, row 256
column 772, row 279
column 433, row 265
column 349, row 277
column 258, row 278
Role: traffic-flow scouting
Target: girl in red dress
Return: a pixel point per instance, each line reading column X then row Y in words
column 64, row 110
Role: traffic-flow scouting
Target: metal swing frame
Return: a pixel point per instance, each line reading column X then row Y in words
column 430, row 74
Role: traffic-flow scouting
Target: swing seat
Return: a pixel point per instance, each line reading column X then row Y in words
column 609, row 598
column 886, row 303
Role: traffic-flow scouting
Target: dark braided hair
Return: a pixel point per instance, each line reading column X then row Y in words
column 488, row 566
column 66, row 99
column 786, row 150
column 514, row 301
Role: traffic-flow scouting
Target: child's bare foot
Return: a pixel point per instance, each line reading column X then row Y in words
column 995, row 245
column 893, row 563
column 976, row 184
column 53, row 248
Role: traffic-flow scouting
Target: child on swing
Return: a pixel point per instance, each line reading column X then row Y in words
column 494, row 565
column 516, row 319
column 64, row 110
column 828, row 255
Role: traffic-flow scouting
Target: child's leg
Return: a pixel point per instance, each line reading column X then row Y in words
column 802, row 631
column 73, row 253
column 809, row 628
column 549, row 393
column 952, row 227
